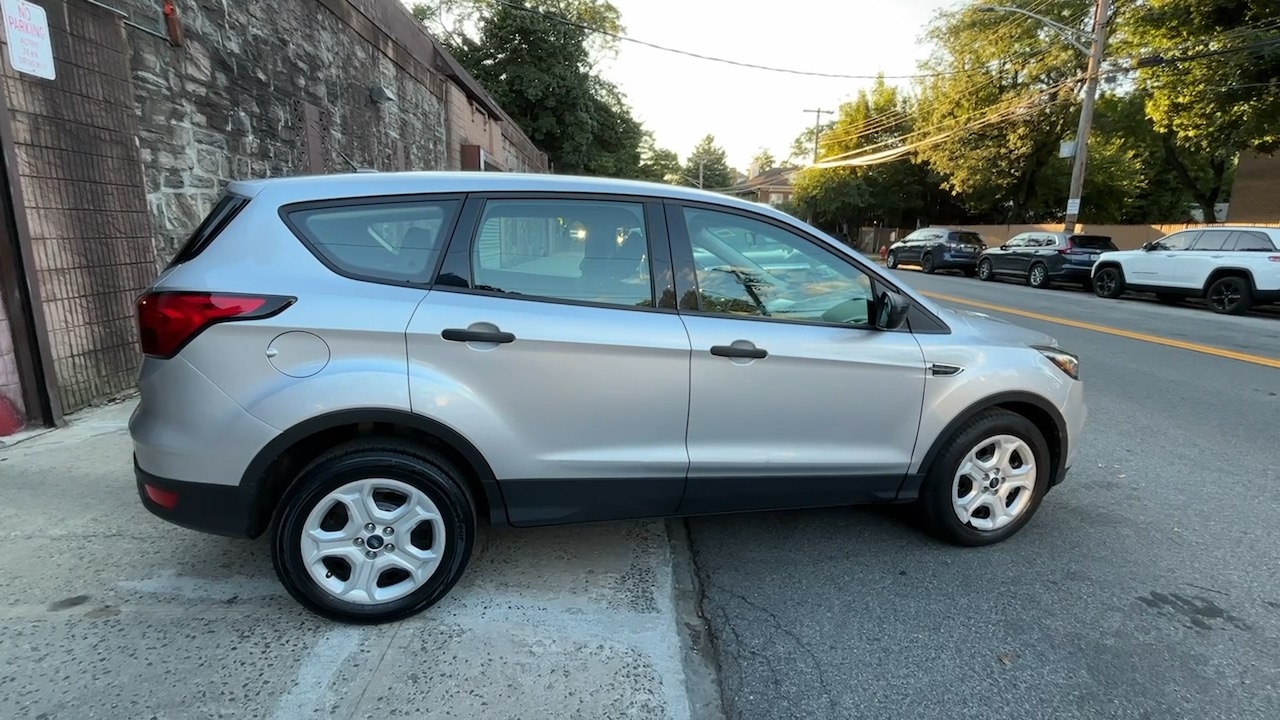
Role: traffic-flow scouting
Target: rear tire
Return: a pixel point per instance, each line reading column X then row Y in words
column 1038, row 276
column 926, row 263
column 1108, row 283
column 1231, row 295
column 891, row 260
column 957, row 474
column 320, row 530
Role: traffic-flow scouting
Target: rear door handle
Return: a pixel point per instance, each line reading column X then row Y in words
column 477, row 336
column 730, row 351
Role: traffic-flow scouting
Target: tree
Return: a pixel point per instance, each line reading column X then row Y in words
column 1213, row 89
column 1000, row 100
column 802, row 146
column 540, row 70
column 659, row 164
column 764, row 160
column 707, row 166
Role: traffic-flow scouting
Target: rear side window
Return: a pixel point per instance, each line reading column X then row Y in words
column 1212, row 240
column 1093, row 242
column 223, row 212
column 394, row 241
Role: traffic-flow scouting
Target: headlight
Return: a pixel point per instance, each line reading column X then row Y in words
column 1066, row 362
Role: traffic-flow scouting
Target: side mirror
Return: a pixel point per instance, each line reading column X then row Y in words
column 891, row 311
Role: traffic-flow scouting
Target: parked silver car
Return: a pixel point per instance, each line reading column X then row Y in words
column 376, row 367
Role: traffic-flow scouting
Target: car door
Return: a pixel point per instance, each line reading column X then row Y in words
column 551, row 342
column 1157, row 266
column 1007, row 261
column 1194, row 266
column 794, row 398
column 909, row 251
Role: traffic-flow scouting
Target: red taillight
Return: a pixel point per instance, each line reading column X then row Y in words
column 166, row 499
column 169, row 320
column 1274, row 258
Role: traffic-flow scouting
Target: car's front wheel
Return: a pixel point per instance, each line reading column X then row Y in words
column 987, row 481
column 1108, row 283
column 985, row 270
column 374, row 531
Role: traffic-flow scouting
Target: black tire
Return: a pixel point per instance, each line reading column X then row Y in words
column 1168, row 298
column 926, row 263
column 1231, row 295
column 399, row 461
column 985, row 270
column 891, row 260
column 1038, row 276
column 936, row 494
column 1108, row 283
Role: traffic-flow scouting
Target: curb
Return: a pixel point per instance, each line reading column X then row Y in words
column 697, row 649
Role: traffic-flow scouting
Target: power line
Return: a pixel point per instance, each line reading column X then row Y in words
column 710, row 58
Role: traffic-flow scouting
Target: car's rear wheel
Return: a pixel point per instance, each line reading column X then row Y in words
column 1230, row 296
column 1108, row 283
column 374, row 531
column 891, row 260
column 1038, row 277
column 987, row 481
column 985, row 270
column 926, row 263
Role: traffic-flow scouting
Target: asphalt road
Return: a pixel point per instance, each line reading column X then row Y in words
column 1146, row 587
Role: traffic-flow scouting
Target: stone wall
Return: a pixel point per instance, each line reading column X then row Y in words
column 268, row 89
column 77, row 159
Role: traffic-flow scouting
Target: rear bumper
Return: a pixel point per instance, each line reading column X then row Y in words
column 216, row 509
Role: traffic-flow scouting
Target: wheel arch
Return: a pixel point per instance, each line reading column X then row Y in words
column 1104, row 264
column 1219, row 273
column 1036, row 408
column 276, row 465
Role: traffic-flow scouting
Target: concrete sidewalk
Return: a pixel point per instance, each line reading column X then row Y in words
column 108, row 612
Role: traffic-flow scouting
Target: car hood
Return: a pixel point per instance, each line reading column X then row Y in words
column 993, row 330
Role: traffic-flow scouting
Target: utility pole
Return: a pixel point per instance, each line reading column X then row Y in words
column 1101, row 19
column 817, row 128
column 702, row 162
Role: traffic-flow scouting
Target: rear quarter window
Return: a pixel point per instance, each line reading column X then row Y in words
column 223, row 212
column 392, row 241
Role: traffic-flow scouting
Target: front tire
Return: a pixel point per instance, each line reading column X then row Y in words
column 1230, row 295
column 1108, row 283
column 374, row 531
column 987, row 481
column 986, row 271
column 926, row 263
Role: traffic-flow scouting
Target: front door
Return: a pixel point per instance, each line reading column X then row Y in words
column 1158, row 266
column 794, row 398
column 544, row 344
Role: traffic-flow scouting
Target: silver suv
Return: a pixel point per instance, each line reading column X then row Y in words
column 375, row 368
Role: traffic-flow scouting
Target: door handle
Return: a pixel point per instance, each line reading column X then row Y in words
column 477, row 336
column 731, row 351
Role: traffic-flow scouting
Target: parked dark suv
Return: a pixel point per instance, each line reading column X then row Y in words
column 1039, row 258
column 938, row 249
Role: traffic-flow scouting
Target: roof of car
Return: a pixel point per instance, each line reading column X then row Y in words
column 301, row 188
column 1272, row 232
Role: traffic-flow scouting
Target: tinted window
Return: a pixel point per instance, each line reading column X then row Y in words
column 223, row 212
column 1018, row 241
column 396, row 241
column 1177, row 241
column 967, row 238
column 1212, row 240
column 1247, row 240
column 1093, row 242
column 814, row 284
column 586, row 251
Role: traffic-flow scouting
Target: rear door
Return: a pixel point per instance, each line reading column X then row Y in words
column 794, row 398
column 551, row 341
column 1209, row 251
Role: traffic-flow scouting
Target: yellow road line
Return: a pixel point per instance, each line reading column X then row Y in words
column 1195, row 347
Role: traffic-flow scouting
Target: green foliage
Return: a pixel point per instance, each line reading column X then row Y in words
column 708, row 164
column 764, row 160
column 541, row 72
column 659, row 164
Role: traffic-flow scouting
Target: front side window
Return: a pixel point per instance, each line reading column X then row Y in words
column 393, row 241
column 1177, row 241
column 1017, row 241
column 811, row 283
column 578, row 250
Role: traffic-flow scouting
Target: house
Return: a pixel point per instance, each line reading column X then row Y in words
column 1255, row 194
column 771, row 187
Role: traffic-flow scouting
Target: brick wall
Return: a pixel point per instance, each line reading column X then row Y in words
column 1255, row 194
column 269, row 89
column 77, row 158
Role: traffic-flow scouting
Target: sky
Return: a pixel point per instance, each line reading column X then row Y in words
column 681, row 99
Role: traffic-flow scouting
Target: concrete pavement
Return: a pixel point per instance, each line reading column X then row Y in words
column 108, row 612
column 1146, row 587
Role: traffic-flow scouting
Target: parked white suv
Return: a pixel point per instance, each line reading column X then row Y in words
column 1233, row 268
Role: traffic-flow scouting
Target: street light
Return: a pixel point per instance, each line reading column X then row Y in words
column 1102, row 14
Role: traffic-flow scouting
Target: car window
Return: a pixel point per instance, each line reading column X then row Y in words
column 967, row 238
column 1212, row 240
column 1044, row 241
column 396, row 241
column 1177, row 241
column 585, row 251
column 1017, row 241
column 814, row 284
column 1093, row 242
column 1249, row 240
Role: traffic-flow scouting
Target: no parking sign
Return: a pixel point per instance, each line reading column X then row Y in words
column 26, row 27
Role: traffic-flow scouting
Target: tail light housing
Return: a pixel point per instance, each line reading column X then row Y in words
column 167, row 321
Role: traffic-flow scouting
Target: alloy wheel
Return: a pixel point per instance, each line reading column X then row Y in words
column 1038, row 274
column 984, row 270
column 372, row 541
column 1225, row 296
column 994, row 483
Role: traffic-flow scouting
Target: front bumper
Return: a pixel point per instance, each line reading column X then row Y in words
column 216, row 509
